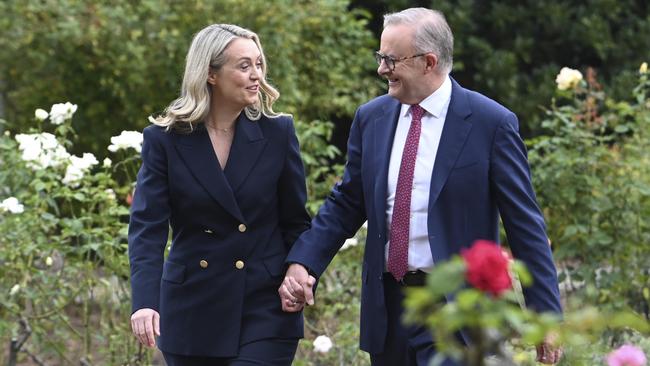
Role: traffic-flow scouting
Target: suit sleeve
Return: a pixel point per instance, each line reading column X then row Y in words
column 522, row 218
column 149, row 223
column 340, row 216
column 292, row 192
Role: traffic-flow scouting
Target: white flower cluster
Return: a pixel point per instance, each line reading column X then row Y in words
column 322, row 344
column 77, row 168
column 61, row 112
column 568, row 78
column 41, row 150
column 126, row 139
column 12, row 205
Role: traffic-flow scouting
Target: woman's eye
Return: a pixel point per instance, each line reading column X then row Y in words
column 244, row 66
column 259, row 65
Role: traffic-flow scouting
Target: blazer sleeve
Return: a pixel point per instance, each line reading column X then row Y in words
column 292, row 192
column 149, row 222
column 522, row 218
column 340, row 216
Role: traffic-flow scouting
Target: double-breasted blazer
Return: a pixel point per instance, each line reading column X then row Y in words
column 480, row 172
column 231, row 230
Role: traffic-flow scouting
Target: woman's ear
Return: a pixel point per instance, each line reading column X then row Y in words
column 212, row 77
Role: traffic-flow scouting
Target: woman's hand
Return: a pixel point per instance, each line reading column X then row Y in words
column 145, row 323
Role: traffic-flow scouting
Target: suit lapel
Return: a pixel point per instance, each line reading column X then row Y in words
column 195, row 149
column 247, row 147
column 454, row 135
column 384, row 132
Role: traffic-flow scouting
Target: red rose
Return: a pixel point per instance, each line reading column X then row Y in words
column 487, row 267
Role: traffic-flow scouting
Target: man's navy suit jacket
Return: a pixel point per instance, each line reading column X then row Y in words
column 251, row 212
column 481, row 171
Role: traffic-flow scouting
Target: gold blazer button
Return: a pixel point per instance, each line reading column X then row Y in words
column 242, row 228
column 203, row 263
column 239, row 264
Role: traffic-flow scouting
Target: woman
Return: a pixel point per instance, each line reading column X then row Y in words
column 224, row 171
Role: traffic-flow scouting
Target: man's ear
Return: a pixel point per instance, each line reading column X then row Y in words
column 431, row 60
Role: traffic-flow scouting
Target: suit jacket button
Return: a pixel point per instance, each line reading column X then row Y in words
column 242, row 228
column 203, row 263
column 239, row 264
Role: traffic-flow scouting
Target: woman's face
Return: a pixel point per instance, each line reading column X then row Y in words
column 236, row 83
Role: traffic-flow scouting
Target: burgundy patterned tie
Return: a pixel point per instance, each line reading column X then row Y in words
column 398, row 250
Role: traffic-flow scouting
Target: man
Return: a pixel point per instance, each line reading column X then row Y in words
column 431, row 166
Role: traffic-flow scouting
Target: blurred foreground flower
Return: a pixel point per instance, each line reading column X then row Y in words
column 644, row 68
column 568, row 78
column 487, row 267
column 322, row 344
column 125, row 140
column 61, row 112
column 12, row 205
column 626, row 355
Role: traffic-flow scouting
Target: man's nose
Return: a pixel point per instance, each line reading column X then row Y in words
column 382, row 69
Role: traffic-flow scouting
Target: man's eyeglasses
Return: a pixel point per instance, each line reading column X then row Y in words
column 390, row 62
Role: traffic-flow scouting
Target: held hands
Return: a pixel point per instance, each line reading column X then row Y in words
column 145, row 323
column 549, row 352
column 296, row 289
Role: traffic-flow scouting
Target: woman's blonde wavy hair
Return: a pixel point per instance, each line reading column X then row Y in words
column 207, row 51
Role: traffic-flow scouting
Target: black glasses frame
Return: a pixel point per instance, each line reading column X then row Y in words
column 390, row 61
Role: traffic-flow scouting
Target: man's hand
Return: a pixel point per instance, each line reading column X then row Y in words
column 296, row 289
column 144, row 323
column 549, row 352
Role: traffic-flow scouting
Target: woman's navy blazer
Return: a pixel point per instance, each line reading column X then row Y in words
column 231, row 232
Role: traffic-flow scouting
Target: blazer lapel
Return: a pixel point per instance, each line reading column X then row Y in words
column 454, row 134
column 384, row 132
column 247, row 147
column 198, row 155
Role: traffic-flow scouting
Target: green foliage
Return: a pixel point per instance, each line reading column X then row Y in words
column 122, row 61
column 63, row 263
column 512, row 50
column 592, row 176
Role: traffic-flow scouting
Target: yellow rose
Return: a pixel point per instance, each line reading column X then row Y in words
column 568, row 78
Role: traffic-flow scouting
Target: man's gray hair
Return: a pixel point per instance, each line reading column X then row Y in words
column 432, row 33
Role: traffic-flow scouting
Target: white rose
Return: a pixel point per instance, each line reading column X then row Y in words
column 322, row 344
column 61, row 112
column 349, row 243
column 78, row 167
column 40, row 114
column 107, row 163
column 110, row 193
column 12, row 205
column 14, row 289
column 568, row 78
column 125, row 140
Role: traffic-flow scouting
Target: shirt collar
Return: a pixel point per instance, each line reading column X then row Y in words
column 435, row 103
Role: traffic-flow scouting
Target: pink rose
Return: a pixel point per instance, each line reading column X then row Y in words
column 626, row 355
column 487, row 267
